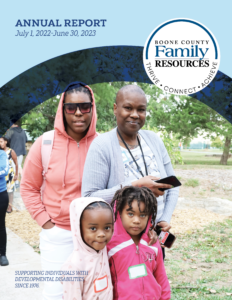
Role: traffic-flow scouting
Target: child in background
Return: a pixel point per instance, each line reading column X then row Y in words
column 92, row 228
column 13, row 170
column 137, row 270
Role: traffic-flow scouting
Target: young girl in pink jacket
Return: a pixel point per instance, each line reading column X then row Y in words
column 87, row 268
column 137, row 269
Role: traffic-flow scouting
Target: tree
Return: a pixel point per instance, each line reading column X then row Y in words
column 219, row 124
column 186, row 142
column 188, row 117
column 216, row 142
column 41, row 118
column 105, row 94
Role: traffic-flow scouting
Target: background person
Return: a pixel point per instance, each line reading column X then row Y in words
column 75, row 129
column 110, row 166
column 12, row 174
column 3, row 206
column 17, row 139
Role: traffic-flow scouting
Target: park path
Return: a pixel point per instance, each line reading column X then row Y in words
column 22, row 257
column 218, row 176
column 213, row 204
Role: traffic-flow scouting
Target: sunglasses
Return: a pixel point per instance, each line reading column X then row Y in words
column 84, row 107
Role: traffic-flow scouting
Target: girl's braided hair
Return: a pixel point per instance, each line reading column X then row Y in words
column 99, row 204
column 128, row 194
column 95, row 205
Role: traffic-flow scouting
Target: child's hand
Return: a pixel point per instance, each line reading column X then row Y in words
column 164, row 227
column 152, row 236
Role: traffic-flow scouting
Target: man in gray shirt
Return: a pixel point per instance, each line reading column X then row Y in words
column 17, row 138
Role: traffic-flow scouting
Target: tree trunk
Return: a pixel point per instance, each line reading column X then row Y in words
column 226, row 151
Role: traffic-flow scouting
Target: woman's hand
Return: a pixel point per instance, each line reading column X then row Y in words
column 48, row 225
column 149, row 182
column 15, row 178
column 164, row 226
column 152, row 236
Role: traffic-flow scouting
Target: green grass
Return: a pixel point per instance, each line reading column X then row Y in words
column 209, row 250
column 202, row 167
column 199, row 160
column 204, row 150
column 200, row 293
column 192, row 182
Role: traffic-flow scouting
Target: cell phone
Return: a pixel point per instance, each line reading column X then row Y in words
column 172, row 180
column 166, row 238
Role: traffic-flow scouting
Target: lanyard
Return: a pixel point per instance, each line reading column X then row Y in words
column 139, row 169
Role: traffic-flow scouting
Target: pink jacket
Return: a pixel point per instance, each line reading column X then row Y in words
column 147, row 278
column 64, row 176
column 91, row 268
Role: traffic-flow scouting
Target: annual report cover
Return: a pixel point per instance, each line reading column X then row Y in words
column 171, row 62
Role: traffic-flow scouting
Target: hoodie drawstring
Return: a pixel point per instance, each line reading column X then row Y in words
column 65, row 165
column 86, row 149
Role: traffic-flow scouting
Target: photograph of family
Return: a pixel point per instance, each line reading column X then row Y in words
column 119, row 188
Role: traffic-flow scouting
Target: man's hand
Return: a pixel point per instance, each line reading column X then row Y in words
column 152, row 236
column 48, row 225
column 164, row 226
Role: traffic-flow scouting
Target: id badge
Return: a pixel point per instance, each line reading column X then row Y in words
column 100, row 284
column 137, row 271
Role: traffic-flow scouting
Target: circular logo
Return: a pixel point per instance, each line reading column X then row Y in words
column 181, row 56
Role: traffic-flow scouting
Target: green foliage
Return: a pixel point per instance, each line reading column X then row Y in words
column 187, row 117
column 186, row 142
column 105, row 94
column 41, row 118
column 174, row 153
column 171, row 145
column 217, row 142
